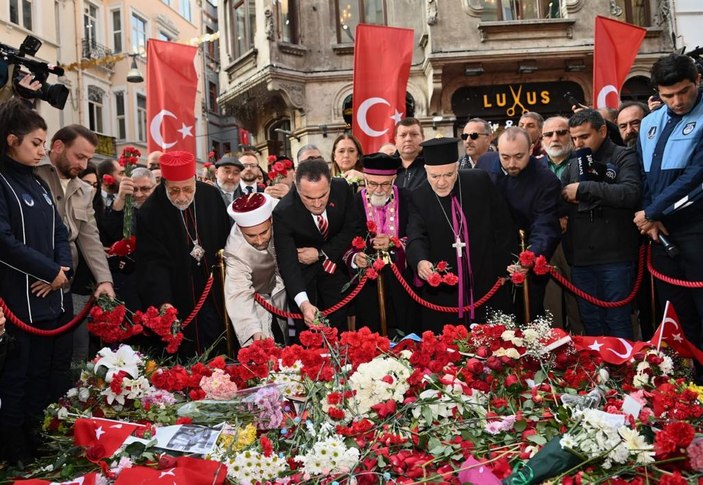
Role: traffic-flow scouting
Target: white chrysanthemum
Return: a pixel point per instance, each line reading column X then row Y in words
column 369, row 385
column 329, row 457
column 640, row 380
column 637, row 445
column 251, row 466
column 667, row 366
column 289, row 381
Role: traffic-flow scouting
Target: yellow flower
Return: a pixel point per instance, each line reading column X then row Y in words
column 697, row 389
column 238, row 439
column 150, row 367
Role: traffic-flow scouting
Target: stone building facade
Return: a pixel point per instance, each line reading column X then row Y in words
column 287, row 65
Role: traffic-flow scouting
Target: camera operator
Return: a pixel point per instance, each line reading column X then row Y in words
column 670, row 148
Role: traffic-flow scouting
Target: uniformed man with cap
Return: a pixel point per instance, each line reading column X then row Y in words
column 227, row 174
column 181, row 227
column 252, row 268
column 461, row 218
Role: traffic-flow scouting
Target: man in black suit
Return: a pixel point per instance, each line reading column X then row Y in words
column 313, row 226
column 247, row 179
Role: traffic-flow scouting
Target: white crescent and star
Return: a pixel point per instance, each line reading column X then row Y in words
column 155, row 129
column 361, row 116
column 603, row 94
column 628, row 349
column 99, row 432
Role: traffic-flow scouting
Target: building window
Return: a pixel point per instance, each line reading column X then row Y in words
column 211, row 47
column 141, row 117
column 138, row 34
column 227, row 147
column 117, row 30
column 164, row 37
column 243, row 26
column 216, row 147
column 90, row 24
column 518, row 9
column 351, row 13
column 120, row 115
column 212, row 96
column 287, row 21
column 632, row 11
column 184, row 9
column 21, row 9
column 95, row 109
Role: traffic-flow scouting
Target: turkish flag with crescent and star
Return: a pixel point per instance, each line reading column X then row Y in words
column 382, row 58
column 671, row 333
column 613, row 350
column 614, row 51
column 187, row 471
column 171, row 85
column 107, row 433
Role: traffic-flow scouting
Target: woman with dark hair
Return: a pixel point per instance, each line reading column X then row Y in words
column 36, row 266
column 346, row 159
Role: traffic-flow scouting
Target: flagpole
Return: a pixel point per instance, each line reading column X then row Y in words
column 661, row 328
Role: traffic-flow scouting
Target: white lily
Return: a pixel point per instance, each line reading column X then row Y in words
column 125, row 359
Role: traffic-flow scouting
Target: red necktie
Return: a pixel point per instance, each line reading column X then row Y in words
column 322, row 226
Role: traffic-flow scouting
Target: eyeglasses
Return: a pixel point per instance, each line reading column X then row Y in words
column 549, row 134
column 473, row 136
column 143, row 189
column 375, row 185
column 251, row 165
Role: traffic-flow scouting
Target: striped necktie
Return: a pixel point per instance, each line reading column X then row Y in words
column 322, row 226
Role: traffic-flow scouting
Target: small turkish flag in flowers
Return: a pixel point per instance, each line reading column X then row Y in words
column 186, row 470
column 98, row 433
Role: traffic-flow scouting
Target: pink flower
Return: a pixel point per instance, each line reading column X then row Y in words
column 695, row 454
column 218, row 386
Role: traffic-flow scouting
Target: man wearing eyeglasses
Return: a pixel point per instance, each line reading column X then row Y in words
column 630, row 116
column 383, row 206
column 247, row 179
column 477, row 138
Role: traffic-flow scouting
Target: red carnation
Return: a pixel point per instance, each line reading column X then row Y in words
column 266, row 445
column 371, row 226
column 335, row 413
column 371, row 274
column 541, row 266
column 379, row 264
column 271, row 159
column 517, row 278
column 211, row 154
column 279, row 168
column 442, row 266
column 207, row 165
column 272, row 175
column 450, row 279
column 108, row 179
column 527, row 259
column 435, row 279
column 359, row 242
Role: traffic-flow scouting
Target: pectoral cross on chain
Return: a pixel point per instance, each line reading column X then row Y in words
column 459, row 245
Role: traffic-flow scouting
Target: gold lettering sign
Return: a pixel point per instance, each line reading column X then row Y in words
column 107, row 146
column 519, row 100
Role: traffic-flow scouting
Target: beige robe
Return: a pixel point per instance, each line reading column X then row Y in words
column 252, row 271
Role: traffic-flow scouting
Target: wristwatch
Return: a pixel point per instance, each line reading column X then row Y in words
column 320, row 255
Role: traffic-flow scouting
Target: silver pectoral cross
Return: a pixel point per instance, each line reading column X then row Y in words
column 459, row 245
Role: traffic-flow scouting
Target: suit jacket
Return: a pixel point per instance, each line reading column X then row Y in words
column 76, row 209
column 294, row 227
column 250, row 271
column 238, row 192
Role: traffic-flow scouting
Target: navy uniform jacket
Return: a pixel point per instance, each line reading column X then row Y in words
column 33, row 243
column 533, row 197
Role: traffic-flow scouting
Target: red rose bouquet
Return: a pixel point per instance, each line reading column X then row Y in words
column 442, row 275
column 108, row 320
column 127, row 245
column 164, row 323
column 278, row 168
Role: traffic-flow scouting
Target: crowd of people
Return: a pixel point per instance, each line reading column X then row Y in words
column 583, row 191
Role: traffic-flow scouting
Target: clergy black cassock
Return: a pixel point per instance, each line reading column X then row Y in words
column 492, row 244
column 401, row 311
column 166, row 271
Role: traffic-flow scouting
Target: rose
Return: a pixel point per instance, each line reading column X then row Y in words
column 442, row 266
column 108, row 179
column 279, row 168
column 371, row 226
column 450, row 279
column 271, row 159
column 435, row 279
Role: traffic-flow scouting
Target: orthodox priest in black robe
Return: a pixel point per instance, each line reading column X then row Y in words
column 180, row 228
column 384, row 208
column 461, row 218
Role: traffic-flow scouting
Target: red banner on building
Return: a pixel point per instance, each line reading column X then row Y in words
column 171, row 84
column 615, row 49
column 382, row 58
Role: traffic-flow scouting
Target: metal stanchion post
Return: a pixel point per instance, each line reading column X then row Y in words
column 229, row 331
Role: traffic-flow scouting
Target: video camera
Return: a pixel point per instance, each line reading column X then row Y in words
column 54, row 94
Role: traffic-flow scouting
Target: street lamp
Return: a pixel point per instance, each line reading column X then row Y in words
column 134, row 76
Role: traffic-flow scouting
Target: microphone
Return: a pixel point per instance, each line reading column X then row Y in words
column 584, row 158
column 671, row 249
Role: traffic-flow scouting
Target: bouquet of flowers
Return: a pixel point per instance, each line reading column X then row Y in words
column 278, row 168
column 528, row 261
column 108, row 320
column 128, row 243
column 164, row 323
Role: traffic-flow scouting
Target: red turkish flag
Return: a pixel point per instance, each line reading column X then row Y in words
column 671, row 333
column 613, row 350
column 88, row 479
column 382, row 58
column 171, row 84
column 107, row 433
column 188, row 471
column 615, row 49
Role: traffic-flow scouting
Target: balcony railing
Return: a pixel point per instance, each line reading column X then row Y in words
column 93, row 50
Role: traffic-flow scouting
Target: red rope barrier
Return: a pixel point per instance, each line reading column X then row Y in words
column 11, row 317
column 602, row 303
column 445, row 309
column 298, row 316
column 669, row 279
column 201, row 302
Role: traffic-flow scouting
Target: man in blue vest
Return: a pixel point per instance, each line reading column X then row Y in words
column 670, row 147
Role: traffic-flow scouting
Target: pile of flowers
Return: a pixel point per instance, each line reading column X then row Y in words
column 498, row 401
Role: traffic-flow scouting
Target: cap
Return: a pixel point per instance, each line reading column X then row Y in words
column 250, row 210
column 440, row 151
column 380, row 164
column 177, row 166
column 229, row 161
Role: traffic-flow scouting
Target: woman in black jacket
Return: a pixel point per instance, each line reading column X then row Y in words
column 35, row 265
